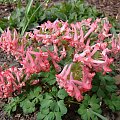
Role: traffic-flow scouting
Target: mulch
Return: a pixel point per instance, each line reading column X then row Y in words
column 111, row 8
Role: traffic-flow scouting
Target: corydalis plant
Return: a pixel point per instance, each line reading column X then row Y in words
column 91, row 44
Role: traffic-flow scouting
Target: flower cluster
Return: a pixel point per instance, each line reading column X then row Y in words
column 75, row 87
column 91, row 44
column 10, row 81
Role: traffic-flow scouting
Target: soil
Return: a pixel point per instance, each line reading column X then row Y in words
column 109, row 8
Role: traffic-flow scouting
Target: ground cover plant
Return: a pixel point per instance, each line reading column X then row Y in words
column 26, row 18
column 61, row 63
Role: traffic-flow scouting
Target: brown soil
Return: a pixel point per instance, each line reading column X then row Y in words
column 111, row 8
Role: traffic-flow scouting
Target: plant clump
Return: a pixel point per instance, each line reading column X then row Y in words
column 86, row 44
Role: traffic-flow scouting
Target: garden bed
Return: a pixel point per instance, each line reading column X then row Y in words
column 9, row 61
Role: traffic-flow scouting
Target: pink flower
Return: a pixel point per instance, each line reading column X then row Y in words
column 77, row 93
column 35, row 64
column 93, row 26
column 116, row 44
column 61, row 78
column 63, row 53
column 75, row 88
column 63, row 28
column 57, row 67
column 53, row 56
column 9, row 43
column 10, row 82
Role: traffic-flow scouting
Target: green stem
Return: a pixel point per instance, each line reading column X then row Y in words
column 24, row 28
column 1, row 30
column 73, row 102
column 98, row 115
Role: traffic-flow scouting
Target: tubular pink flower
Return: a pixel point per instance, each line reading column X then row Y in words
column 63, row 53
column 93, row 26
column 65, row 25
column 81, row 36
column 70, row 89
column 86, row 22
column 116, row 44
column 55, row 49
column 89, row 47
column 53, row 56
column 7, row 42
column 75, row 88
column 35, row 64
column 77, row 93
column 57, row 67
column 10, row 82
column 61, row 78
column 75, row 32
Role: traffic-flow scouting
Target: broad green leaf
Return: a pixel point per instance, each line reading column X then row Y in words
column 37, row 91
column 54, row 106
column 93, row 99
column 95, row 106
column 14, row 108
column 45, row 111
column 62, row 107
column 58, row 115
column 84, row 117
column 111, row 88
column 51, row 81
column 48, row 96
column 40, row 116
column 82, row 111
column 113, row 31
column 62, row 94
column 46, row 103
column 100, row 93
column 51, row 116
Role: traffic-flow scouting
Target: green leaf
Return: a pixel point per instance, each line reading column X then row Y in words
column 100, row 116
column 51, row 81
column 113, row 102
column 28, row 21
column 62, row 107
column 27, row 106
column 62, row 94
column 73, row 17
column 14, row 108
column 40, row 116
column 100, row 93
column 82, row 110
column 61, row 16
column 28, row 7
column 111, row 88
column 51, row 116
column 45, row 111
column 54, row 106
column 37, row 91
column 1, row 30
column 95, row 106
column 48, row 96
column 84, row 117
column 113, row 31
column 58, row 115
column 94, row 99
column 46, row 103
column 88, row 104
